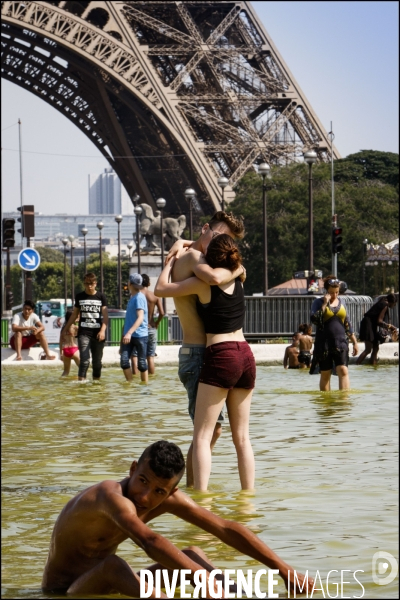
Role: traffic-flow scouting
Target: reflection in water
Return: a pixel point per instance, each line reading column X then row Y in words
column 326, row 466
column 332, row 406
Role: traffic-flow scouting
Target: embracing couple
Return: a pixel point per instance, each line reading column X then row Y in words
column 216, row 364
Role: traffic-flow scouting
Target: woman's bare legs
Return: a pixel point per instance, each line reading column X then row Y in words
column 238, row 404
column 208, row 406
column 374, row 356
column 325, row 381
column 209, row 403
column 343, row 374
column 364, row 354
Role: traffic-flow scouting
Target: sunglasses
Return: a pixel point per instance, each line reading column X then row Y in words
column 214, row 233
column 333, row 282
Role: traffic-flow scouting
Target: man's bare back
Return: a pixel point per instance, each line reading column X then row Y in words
column 90, row 527
column 305, row 343
column 152, row 302
column 192, row 325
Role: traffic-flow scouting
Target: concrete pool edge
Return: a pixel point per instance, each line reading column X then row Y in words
column 167, row 355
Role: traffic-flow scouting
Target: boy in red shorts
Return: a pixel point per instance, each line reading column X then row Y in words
column 28, row 331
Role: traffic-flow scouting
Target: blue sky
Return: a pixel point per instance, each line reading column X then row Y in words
column 344, row 56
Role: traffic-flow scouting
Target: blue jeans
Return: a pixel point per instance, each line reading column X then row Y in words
column 140, row 343
column 90, row 345
column 190, row 364
column 151, row 343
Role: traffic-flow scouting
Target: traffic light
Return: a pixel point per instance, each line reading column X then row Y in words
column 8, row 233
column 337, row 240
column 125, row 290
column 27, row 220
column 9, row 300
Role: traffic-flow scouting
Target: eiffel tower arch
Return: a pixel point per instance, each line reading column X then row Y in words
column 174, row 94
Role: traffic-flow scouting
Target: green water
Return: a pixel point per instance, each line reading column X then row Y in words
column 326, row 468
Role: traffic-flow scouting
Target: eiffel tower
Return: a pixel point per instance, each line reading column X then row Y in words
column 174, row 94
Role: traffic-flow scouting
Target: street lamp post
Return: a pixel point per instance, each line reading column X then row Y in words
column 189, row 195
column 138, row 211
column 71, row 239
column 65, row 242
column 100, row 226
column 310, row 158
column 129, row 246
column 265, row 170
column 118, row 220
column 223, row 182
column 161, row 202
column 365, row 242
column 84, row 232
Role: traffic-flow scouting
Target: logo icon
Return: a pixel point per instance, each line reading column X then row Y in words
column 380, row 565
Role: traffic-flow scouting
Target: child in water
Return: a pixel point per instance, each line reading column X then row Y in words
column 290, row 360
column 305, row 345
column 69, row 347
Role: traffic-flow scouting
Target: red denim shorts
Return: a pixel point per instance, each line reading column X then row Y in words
column 27, row 341
column 229, row 365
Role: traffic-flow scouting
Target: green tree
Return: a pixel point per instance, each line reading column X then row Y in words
column 50, row 255
column 48, row 279
column 110, row 276
column 369, row 164
column 366, row 208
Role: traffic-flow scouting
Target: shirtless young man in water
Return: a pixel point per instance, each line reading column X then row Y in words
column 191, row 353
column 91, row 526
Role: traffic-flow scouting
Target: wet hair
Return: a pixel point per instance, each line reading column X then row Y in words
column 223, row 252
column 29, row 303
column 391, row 298
column 330, row 278
column 235, row 224
column 304, row 327
column 89, row 277
column 165, row 459
column 145, row 280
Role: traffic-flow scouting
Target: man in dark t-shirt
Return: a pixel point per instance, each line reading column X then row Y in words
column 91, row 307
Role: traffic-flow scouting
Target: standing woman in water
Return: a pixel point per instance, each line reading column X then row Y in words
column 229, row 370
column 333, row 332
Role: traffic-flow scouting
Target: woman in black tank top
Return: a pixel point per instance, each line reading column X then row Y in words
column 229, row 371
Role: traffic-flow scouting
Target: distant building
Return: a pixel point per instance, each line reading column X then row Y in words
column 107, row 196
column 52, row 228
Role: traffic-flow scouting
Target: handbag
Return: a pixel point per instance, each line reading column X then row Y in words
column 382, row 334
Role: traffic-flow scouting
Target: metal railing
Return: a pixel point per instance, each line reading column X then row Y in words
column 266, row 317
column 275, row 316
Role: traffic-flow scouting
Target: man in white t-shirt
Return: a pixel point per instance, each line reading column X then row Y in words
column 28, row 331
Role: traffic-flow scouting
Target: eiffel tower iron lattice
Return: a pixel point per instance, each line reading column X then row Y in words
column 174, row 94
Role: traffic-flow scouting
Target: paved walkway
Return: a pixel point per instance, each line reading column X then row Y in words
column 265, row 354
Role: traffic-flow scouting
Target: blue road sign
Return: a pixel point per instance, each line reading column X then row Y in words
column 29, row 259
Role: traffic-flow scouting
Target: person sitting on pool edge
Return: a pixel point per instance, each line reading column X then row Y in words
column 91, row 526
column 28, row 331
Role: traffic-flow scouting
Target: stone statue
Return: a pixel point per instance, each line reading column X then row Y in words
column 150, row 225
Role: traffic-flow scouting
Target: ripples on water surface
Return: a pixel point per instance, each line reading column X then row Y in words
column 326, row 467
